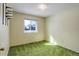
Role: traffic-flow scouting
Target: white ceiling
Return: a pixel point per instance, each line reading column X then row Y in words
column 32, row 8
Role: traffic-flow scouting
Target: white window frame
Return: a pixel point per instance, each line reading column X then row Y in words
column 30, row 31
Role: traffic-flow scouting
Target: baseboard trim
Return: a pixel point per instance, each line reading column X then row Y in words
column 68, row 49
column 46, row 41
column 28, row 43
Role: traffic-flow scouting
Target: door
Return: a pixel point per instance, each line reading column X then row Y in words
column 4, row 35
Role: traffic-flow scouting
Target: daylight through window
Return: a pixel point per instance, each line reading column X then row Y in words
column 30, row 26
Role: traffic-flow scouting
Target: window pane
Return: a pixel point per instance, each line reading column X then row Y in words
column 30, row 26
column 33, row 25
column 27, row 25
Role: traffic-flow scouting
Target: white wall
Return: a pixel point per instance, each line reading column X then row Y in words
column 64, row 28
column 17, row 35
column 4, row 36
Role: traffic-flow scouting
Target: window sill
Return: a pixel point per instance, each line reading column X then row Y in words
column 30, row 31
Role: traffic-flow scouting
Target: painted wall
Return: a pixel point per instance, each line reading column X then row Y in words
column 4, row 36
column 17, row 35
column 63, row 28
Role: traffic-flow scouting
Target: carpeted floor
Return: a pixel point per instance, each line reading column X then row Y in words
column 42, row 48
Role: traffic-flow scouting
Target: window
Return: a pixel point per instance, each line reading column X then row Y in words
column 30, row 26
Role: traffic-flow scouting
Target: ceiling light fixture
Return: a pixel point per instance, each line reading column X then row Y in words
column 42, row 6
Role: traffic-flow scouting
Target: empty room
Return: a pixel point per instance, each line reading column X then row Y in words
column 39, row 29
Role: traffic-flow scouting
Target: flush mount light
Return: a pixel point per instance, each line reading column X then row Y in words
column 42, row 6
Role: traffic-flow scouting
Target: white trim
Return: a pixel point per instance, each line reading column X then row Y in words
column 31, row 31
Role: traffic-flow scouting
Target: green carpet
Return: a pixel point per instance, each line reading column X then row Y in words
column 42, row 48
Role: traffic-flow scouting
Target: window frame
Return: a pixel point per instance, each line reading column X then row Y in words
column 31, row 31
